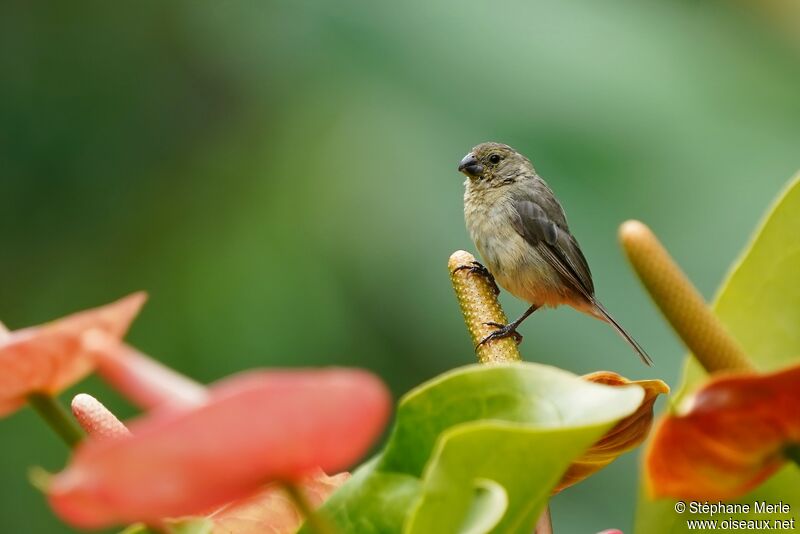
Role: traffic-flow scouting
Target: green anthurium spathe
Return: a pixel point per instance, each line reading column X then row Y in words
column 503, row 451
column 488, row 506
column 371, row 501
column 479, row 449
column 758, row 304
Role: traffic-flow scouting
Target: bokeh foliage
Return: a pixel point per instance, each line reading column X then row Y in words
column 281, row 177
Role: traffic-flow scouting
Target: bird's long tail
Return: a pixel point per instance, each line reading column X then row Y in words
column 604, row 315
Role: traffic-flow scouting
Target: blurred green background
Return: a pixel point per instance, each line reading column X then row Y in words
column 280, row 176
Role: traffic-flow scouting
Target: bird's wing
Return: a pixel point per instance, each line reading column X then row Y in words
column 555, row 244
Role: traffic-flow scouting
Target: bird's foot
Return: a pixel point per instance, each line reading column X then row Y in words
column 479, row 268
column 503, row 331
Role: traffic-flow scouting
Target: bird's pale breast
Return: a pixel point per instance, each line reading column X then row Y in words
column 515, row 264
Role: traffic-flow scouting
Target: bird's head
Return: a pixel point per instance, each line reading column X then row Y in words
column 495, row 164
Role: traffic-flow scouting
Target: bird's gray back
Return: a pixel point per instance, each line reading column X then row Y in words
column 542, row 223
column 533, row 188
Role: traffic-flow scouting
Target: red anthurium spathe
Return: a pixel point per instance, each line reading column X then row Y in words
column 270, row 510
column 51, row 357
column 255, row 427
column 729, row 437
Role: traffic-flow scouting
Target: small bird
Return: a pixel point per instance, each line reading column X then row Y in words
column 521, row 232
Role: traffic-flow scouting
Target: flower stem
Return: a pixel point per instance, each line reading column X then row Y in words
column 478, row 300
column 49, row 409
column 315, row 521
column 680, row 302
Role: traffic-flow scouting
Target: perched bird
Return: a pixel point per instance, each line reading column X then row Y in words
column 521, row 232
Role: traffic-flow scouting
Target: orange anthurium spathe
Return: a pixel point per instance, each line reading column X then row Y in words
column 51, row 357
column 255, row 427
column 731, row 435
column 623, row 437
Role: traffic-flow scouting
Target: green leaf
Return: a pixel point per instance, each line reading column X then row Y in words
column 480, row 447
column 760, row 304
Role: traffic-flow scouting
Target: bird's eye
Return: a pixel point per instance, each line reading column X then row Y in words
column 495, row 158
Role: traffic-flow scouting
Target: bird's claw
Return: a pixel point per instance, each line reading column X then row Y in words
column 479, row 268
column 503, row 331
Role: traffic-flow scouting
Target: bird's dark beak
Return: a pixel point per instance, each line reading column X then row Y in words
column 470, row 166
